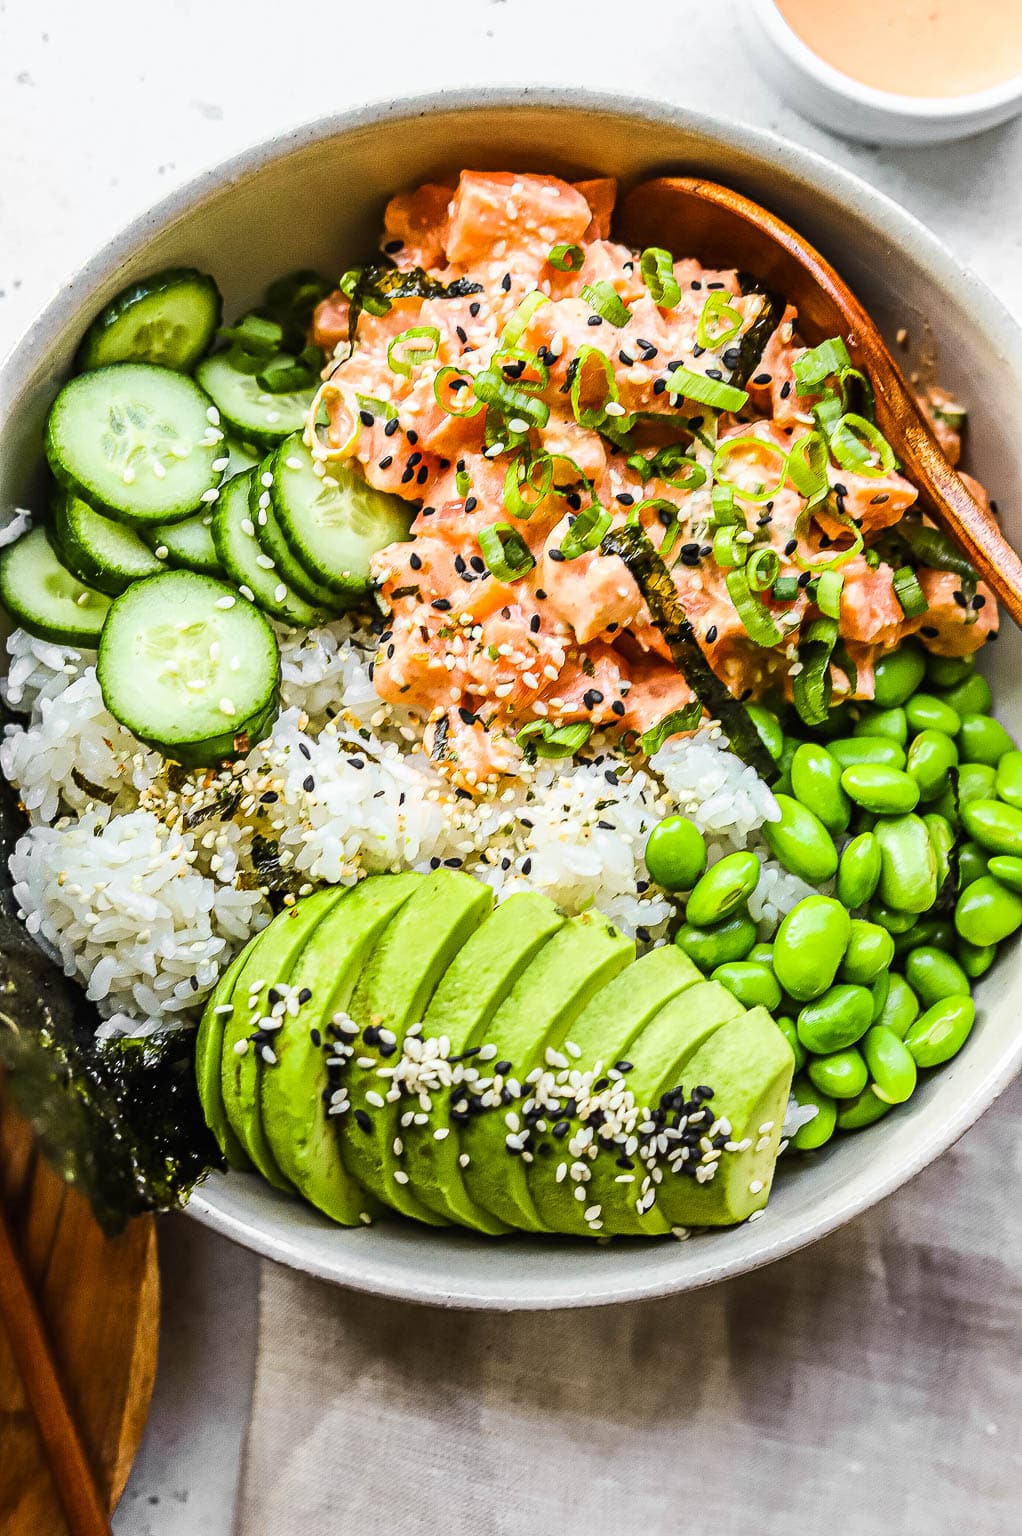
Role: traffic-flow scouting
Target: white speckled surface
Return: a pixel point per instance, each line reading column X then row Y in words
column 104, row 108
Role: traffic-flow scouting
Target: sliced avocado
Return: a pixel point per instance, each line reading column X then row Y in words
column 209, row 1046
column 473, row 988
column 267, row 961
column 658, row 1055
column 601, row 1037
column 580, row 959
column 416, row 949
column 294, row 1093
column 749, row 1066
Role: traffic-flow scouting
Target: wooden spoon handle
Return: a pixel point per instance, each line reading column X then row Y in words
column 68, row 1464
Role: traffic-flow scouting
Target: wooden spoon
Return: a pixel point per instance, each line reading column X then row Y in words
column 724, row 229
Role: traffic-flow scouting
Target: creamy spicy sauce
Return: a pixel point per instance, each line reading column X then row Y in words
column 914, row 47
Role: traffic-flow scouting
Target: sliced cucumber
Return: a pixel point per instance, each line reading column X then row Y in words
column 248, row 565
column 243, row 456
column 169, row 319
column 106, row 555
column 274, row 544
column 189, row 667
column 334, row 522
column 137, row 442
column 45, row 598
column 188, row 544
column 255, row 415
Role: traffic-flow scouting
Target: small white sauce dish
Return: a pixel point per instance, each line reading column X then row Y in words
column 858, row 111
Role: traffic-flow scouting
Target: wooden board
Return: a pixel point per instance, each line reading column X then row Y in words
column 99, row 1299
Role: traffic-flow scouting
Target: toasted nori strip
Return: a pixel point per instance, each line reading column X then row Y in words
column 752, row 343
column 653, row 580
column 121, row 1119
column 384, row 284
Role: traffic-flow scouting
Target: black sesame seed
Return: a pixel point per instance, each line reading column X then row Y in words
column 534, row 623
column 412, row 436
column 309, row 784
column 502, row 1068
column 415, row 561
column 387, row 461
column 711, row 634
column 592, row 697
column 413, row 459
column 617, row 708
column 473, row 308
column 931, row 632
column 316, row 1038
column 362, row 1120
column 461, row 333
column 423, row 474
column 626, row 499
column 393, row 425
column 526, row 866
column 659, row 385
column 785, row 389
column 761, row 378
column 595, row 320
column 366, row 418
column 471, row 504
column 556, row 555
column 624, row 357
column 441, row 605
column 466, row 716
column 979, row 601
column 408, row 475
column 960, row 599
column 805, row 578
column 560, row 1129
column 791, row 546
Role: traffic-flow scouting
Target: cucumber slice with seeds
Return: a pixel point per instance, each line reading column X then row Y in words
column 103, row 554
column 139, row 443
column 274, row 544
column 242, row 456
column 256, row 416
column 189, row 667
column 169, row 319
column 188, row 544
column 248, row 565
column 335, row 522
column 45, row 598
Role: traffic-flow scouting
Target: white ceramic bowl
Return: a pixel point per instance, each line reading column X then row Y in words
column 313, row 197
column 858, row 111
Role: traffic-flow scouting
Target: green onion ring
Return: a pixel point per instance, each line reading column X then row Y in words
column 522, row 472
column 412, row 356
column 444, row 379
column 506, row 553
column 657, row 268
column 718, row 312
column 567, row 258
column 726, row 451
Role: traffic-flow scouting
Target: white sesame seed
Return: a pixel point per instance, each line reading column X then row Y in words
column 374, row 1098
column 225, row 602
column 400, row 1177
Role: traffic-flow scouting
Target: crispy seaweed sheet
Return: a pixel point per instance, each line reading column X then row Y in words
column 374, row 288
column 653, row 580
column 120, row 1119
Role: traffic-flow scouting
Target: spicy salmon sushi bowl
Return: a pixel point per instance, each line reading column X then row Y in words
column 498, row 732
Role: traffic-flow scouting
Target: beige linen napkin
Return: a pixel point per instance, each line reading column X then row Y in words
column 868, row 1387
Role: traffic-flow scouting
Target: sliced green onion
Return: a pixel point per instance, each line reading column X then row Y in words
column 811, row 686
column 604, row 298
column 785, row 589
column 567, row 258
column 840, row 556
column 657, row 268
column 586, row 531
column 506, row 358
column 827, row 413
column 594, row 370
column 719, row 321
column 712, row 392
column 828, row 593
column 463, row 482
column 934, row 549
column 510, row 399
column 726, row 549
column 449, row 384
column 727, row 451
column 665, row 463
column 758, row 621
column 725, row 508
column 375, row 407
column 541, row 739
column 518, row 323
column 860, row 447
column 819, row 364
column 671, row 725
column 527, row 473
column 808, row 459
column 412, row 348
column 908, row 592
column 506, row 553
column 651, row 504
column 762, row 568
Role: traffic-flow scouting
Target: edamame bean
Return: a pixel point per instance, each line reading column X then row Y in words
column 928, row 713
column 934, row 975
column 987, row 912
column 752, row 983
column 891, row 723
column 725, row 887
column 994, row 826
column 940, row 1032
column 975, row 959
column 948, row 671
column 858, row 871
column 820, row 1128
column 842, row 1074
column 976, row 781
column 851, row 750
column 892, row 1067
column 782, row 784
column 878, row 992
column 809, row 946
column 901, row 1008
column 928, row 930
column 710, row 947
column 942, row 840
column 768, row 727
column 908, row 864
column 983, row 739
column 894, row 922
column 763, row 953
column 1008, row 783
column 971, row 697
column 857, row 1114
column 931, row 757
column 870, row 950
column 1007, row 868
column 816, row 782
column 972, row 863
column 801, row 842
column 790, row 1033
column 885, row 791
column 676, row 853
column 897, row 676
column 837, row 1019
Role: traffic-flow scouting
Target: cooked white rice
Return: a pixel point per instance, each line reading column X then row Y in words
column 144, row 894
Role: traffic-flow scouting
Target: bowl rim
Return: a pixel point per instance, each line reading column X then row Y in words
column 920, row 109
column 899, row 229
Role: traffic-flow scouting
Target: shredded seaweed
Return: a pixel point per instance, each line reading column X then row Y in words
column 753, row 341
column 653, row 580
column 121, row 1119
column 274, row 877
column 375, row 287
